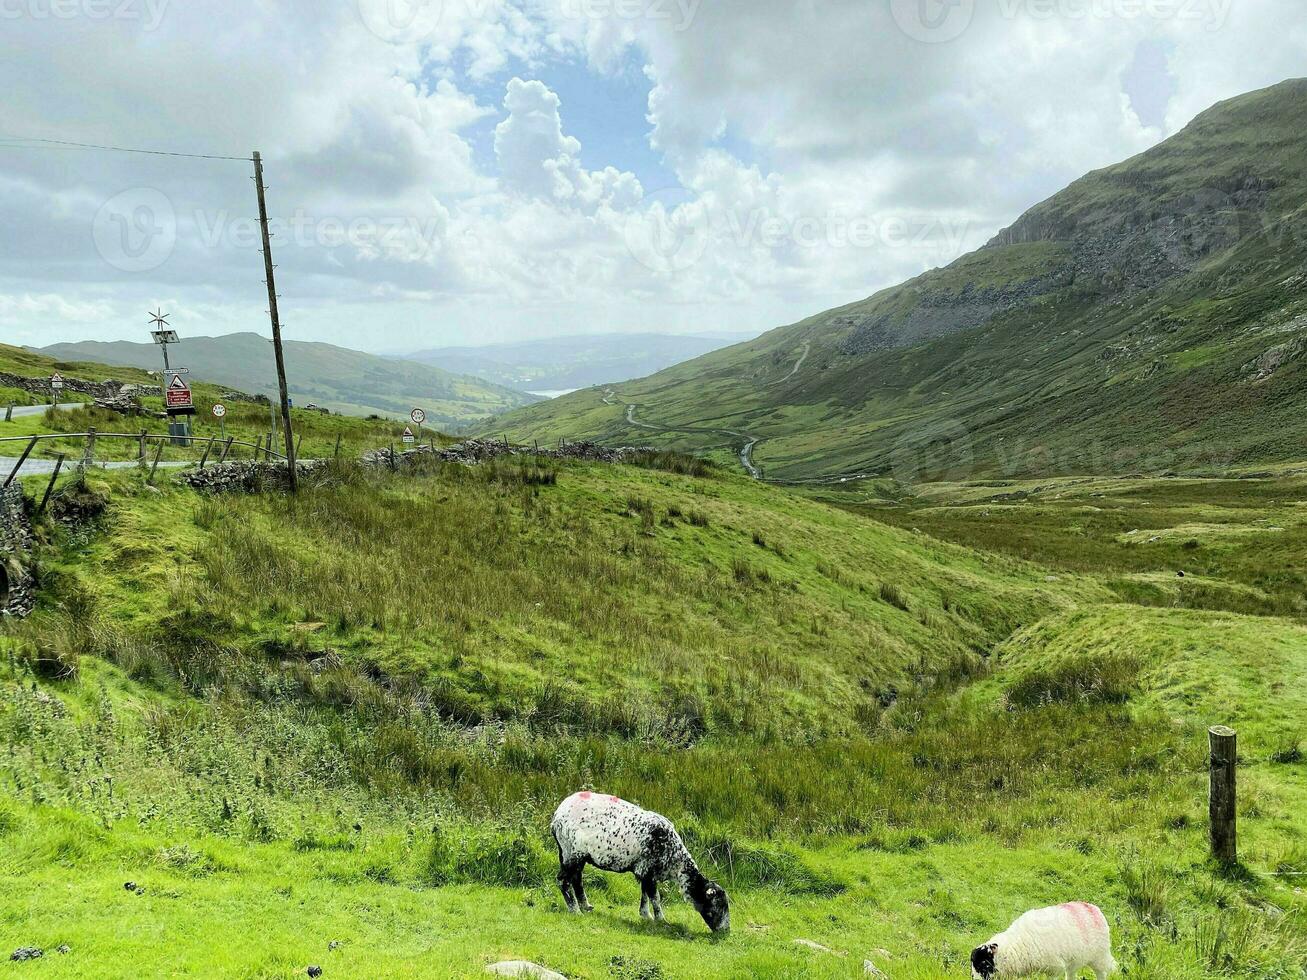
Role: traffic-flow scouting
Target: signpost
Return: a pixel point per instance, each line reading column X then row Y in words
column 56, row 386
column 408, row 435
column 220, row 413
column 177, row 395
column 418, row 416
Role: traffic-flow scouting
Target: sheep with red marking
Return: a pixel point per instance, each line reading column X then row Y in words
column 1059, row 942
column 613, row 835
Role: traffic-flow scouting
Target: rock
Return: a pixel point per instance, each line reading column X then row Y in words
column 871, row 969
column 817, row 947
column 314, row 971
column 64, row 949
column 523, row 968
column 130, row 886
column 333, row 945
column 24, row 953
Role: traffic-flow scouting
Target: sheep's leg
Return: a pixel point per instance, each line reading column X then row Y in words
column 657, row 903
column 578, row 889
column 567, row 875
column 646, row 897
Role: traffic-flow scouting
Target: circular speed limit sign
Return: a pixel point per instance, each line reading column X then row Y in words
column 219, row 411
column 418, row 416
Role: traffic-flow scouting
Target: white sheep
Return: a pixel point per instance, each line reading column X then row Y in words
column 613, row 835
column 1057, row 942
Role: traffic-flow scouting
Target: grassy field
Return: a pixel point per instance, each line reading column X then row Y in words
column 344, row 719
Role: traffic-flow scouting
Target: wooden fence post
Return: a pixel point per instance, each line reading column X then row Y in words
column 157, row 453
column 299, row 442
column 1223, row 762
column 226, row 449
column 88, row 455
column 392, row 457
column 9, row 412
column 338, row 435
column 22, row 459
column 58, row 465
column 207, row 449
column 141, row 456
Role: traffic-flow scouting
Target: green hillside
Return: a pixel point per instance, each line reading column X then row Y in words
column 332, row 377
column 248, row 421
column 1151, row 316
column 329, row 730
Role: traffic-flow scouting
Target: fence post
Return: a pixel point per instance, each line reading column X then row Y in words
column 141, row 456
column 88, row 455
column 157, row 453
column 58, row 465
column 226, row 449
column 392, row 457
column 207, row 449
column 22, row 459
column 299, row 442
column 337, row 456
column 1223, row 763
column 9, row 412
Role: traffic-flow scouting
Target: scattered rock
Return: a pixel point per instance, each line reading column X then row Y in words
column 523, row 968
column 333, row 945
column 871, row 969
column 817, row 947
column 64, row 949
column 24, row 953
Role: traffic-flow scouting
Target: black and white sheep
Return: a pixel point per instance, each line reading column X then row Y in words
column 613, row 835
column 1060, row 942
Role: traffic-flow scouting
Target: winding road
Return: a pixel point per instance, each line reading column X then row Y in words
column 746, row 453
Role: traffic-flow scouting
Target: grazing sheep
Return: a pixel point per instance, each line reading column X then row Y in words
column 613, row 835
column 1058, row 942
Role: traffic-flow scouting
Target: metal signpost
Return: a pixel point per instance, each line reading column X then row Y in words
column 220, row 413
column 418, row 416
column 56, row 386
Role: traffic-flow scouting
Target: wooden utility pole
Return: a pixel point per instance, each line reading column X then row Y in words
column 276, row 325
column 1223, row 763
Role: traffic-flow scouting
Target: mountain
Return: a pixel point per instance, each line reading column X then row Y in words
column 567, row 363
column 343, row 380
column 1152, row 315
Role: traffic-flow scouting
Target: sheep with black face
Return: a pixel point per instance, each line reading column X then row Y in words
column 1055, row 942
column 613, row 835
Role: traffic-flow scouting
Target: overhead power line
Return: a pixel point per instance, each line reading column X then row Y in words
column 20, row 143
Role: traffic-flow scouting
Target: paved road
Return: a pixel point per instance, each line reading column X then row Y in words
column 25, row 411
column 37, row 467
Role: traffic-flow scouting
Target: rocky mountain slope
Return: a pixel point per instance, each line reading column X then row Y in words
column 1152, row 315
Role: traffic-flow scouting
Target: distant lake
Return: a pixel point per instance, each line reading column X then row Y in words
column 554, row 394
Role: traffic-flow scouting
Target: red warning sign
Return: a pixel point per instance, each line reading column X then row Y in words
column 178, row 393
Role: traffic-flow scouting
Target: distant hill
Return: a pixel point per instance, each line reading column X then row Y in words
column 343, row 380
column 1153, row 315
column 565, row 363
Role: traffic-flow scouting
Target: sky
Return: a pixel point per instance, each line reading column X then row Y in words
column 449, row 172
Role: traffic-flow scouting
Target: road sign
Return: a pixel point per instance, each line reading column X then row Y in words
column 418, row 416
column 219, row 411
column 408, row 435
column 57, row 382
column 177, row 393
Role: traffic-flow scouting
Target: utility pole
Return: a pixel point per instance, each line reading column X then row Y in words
column 276, row 325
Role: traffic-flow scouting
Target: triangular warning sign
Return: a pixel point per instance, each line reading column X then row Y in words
column 408, row 431
column 177, row 384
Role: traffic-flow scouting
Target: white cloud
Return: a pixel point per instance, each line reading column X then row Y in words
column 820, row 152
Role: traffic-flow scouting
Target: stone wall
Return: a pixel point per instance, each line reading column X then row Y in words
column 16, row 592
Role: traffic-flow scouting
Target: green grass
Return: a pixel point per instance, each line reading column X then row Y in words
column 347, row 716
